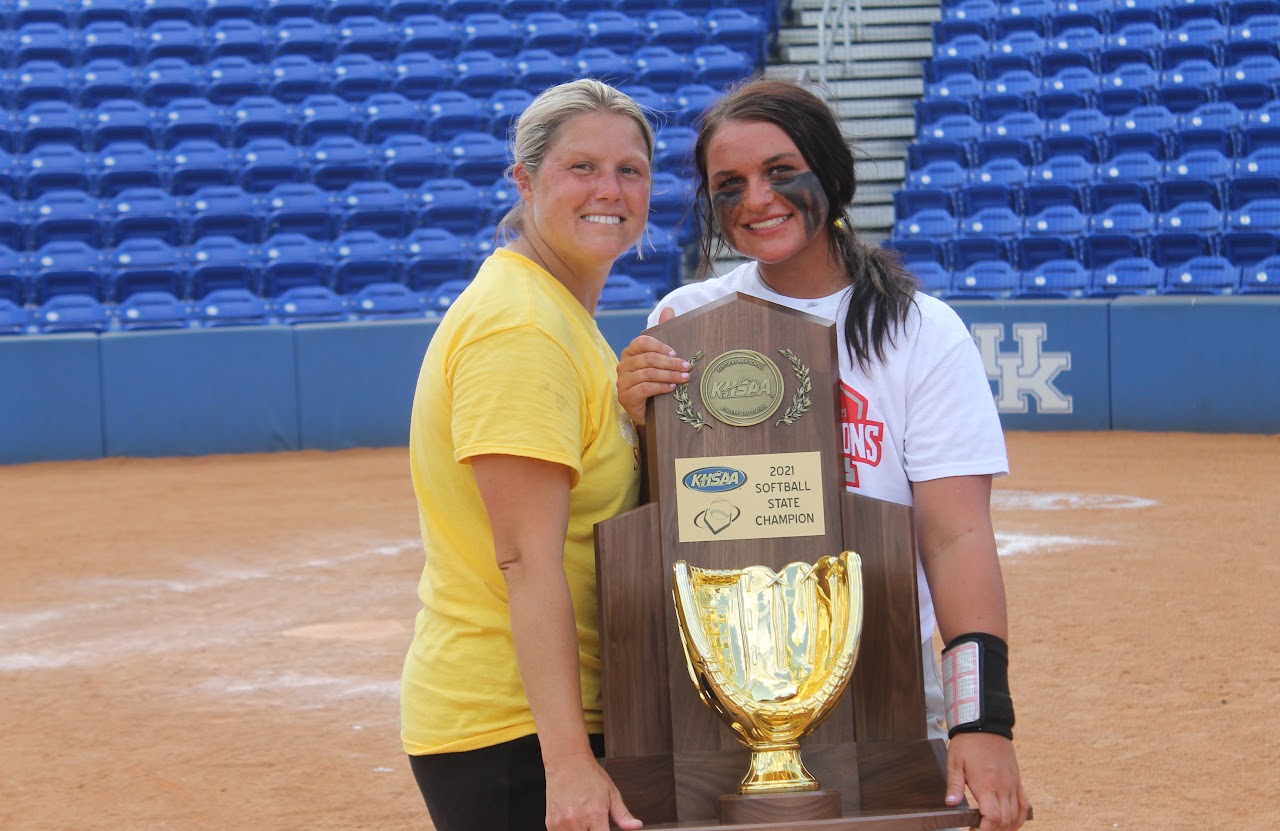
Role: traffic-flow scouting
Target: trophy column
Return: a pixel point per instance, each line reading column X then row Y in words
column 745, row 470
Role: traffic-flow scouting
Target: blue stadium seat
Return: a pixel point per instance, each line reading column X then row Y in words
column 500, row 197
column 267, row 162
column 1054, row 279
column 453, row 205
column 537, row 69
column 491, row 33
column 1197, row 217
column 379, row 207
column 1029, row 252
column 939, row 175
column 660, row 268
column 1001, row 222
column 934, row 278
column 61, row 12
column 1188, row 85
column 387, row 114
column 107, row 39
column 217, row 10
column 1213, row 126
column 1261, row 215
column 402, row 10
column 930, row 109
column 459, row 9
column 623, row 292
column 218, row 262
column 581, row 8
column 432, row 256
column 1243, row 11
column 1072, row 88
column 664, row 70
column 304, row 36
column 299, row 208
column 505, row 106
column 41, row 81
column 231, row 307
column 1129, row 218
column 1077, row 133
column 1017, row 50
column 104, row 79
column 478, row 158
column 309, row 304
column 418, row 75
column 1262, row 278
column 1065, row 221
column 118, row 120
column 1256, row 36
column 1063, row 170
column 604, row 64
column 960, row 87
column 45, row 41
column 362, row 258
column 973, row 198
column 612, row 29
column 480, row 73
column 50, row 122
column 166, row 79
column 13, row 222
column 126, row 164
column 293, row 260
column 429, row 33
column 934, row 225
column 173, row 39
column 1100, row 250
column 518, row 9
column 1137, row 11
column 1201, row 275
column 443, row 296
column 238, row 38
column 144, row 212
column 998, row 171
column 670, row 205
column 66, row 267
column 654, row 104
column 715, row 65
column 189, row 11
column 357, row 76
column 1126, row 275
column 293, row 77
column 55, row 167
column 1248, row 248
column 1193, row 40
column 674, row 29
column 953, row 128
column 386, row 301
column 1012, row 129
column 690, row 101
column 1074, row 46
column 70, row 313
column 339, row 10
column 1127, row 87
column 152, row 310
column 261, row 117
column 964, row 251
column 231, row 78
column 987, row 279
column 1177, row 190
column 225, row 211
column 452, row 112
column 552, row 30
column 91, row 11
column 1261, row 130
column 145, row 265
column 740, row 31
column 14, row 319
column 192, row 118
column 673, row 150
column 13, row 284
column 1139, row 168
column 325, row 115
column 1251, row 83
column 280, row 10
column 913, row 200
column 12, row 180
column 409, row 160
column 367, row 35
column 59, row 215
column 337, row 161
column 1137, row 43
column 1170, row 248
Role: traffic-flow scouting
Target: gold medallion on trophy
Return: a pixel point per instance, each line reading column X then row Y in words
column 741, row 387
column 771, row 654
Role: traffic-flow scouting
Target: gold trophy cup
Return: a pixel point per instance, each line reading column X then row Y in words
column 771, row 653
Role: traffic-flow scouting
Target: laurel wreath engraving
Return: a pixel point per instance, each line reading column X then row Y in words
column 684, row 407
column 800, row 402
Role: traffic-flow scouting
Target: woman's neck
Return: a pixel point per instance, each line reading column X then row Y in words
column 586, row 288
column 809, row 274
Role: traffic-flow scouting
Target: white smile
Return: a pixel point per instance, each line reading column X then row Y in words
column 768, row 223
column 603, row 220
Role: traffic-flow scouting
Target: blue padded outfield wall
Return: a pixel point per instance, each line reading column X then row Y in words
column 1208, row 364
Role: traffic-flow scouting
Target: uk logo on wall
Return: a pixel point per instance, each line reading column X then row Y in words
column 1027, row 374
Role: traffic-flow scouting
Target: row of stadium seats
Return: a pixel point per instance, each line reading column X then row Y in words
column 423, row 260
column 142, row 13
column 377, row 38
column 158, row 310
column 218, row 210
column 331, row 163
column 441, row 117
column 356, row 77
column 1067, row 278
column 1144, row 43
column 1108, row 15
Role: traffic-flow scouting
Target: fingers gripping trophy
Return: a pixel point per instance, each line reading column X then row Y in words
column 753, row 573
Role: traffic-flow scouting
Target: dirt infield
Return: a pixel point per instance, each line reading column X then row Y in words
column 215, row 643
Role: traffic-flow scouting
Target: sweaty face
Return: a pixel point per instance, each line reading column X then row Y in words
column 768, row 203
column 589, row 198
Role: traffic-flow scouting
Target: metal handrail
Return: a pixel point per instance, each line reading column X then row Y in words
column 837, row 11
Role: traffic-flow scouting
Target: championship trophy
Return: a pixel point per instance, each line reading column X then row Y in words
column 732, row 574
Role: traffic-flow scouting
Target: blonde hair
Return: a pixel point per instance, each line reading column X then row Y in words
column 538, row 128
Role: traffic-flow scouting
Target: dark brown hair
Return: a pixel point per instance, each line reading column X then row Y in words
column 883, row 291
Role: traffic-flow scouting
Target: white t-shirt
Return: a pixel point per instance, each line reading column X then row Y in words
column 924, row 413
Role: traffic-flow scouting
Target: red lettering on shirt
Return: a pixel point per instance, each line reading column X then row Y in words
column 862, row 437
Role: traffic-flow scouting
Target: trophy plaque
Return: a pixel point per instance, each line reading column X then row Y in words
column 759, row 625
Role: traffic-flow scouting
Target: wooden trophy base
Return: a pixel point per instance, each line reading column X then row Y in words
column 753, row 809
column 940, row 819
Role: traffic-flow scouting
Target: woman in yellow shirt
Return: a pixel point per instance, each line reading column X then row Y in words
column 518, row 447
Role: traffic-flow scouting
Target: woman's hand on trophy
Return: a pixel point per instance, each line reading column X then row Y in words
column 648, row 367
column 987, row 765
column 582, row 797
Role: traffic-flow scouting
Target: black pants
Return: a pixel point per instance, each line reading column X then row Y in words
column 490, row 789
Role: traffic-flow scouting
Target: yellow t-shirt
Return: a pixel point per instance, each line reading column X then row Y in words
column 517, row 367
